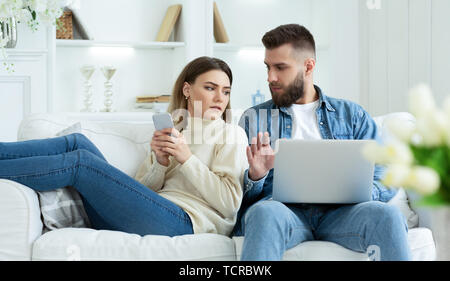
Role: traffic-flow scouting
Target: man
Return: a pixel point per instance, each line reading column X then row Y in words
column 299, row 109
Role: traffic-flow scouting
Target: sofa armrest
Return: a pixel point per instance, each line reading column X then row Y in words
column 20, row 221
column 422, row 212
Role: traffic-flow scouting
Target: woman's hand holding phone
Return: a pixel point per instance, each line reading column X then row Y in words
column 157, row 146
column 170, row 142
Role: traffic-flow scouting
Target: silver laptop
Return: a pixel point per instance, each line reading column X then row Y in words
column 322, row 172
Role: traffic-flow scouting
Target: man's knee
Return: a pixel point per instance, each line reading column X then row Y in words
column 266, row 211
column 383, row 213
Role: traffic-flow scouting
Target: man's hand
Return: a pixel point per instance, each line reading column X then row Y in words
column 260, row 157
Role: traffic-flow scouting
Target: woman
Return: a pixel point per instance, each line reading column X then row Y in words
column 181, row 188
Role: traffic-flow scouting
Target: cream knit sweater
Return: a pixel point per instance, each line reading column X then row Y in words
column 208, row 186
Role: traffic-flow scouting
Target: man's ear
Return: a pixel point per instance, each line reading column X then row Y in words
column 186, row 89
column 310, row 65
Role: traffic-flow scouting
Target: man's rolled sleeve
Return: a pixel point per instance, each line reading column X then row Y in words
column 253, row 187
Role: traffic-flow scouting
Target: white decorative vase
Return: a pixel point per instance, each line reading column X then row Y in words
column 108, row 72
column 8, row 31
column 87, row 71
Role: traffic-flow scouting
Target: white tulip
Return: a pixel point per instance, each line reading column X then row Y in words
column 424, row 180
column 392, row 153
column 38, row 5
column 396, row 175
column 8, row 8
column 398, row 153
column 433, row 128
column 24, row 15
column 421, row 100
column 401, row 129
column 374, row 152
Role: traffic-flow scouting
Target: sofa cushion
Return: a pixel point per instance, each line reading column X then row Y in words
column 420, row 241
column 93, row 245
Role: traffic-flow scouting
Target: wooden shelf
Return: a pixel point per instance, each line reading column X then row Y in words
column 130, row 44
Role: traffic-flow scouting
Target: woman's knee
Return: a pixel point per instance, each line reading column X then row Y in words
column 85, row 156
column 81, row 140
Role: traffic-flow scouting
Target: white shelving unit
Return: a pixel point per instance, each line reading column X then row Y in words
column 144, row 67
column 132, row 44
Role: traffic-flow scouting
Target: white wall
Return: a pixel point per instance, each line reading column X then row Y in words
column 404, row 43
column 123, row 20
column 333, row 23
column 140, row 71
column 28, row 89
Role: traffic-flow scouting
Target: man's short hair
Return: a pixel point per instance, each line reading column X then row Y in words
column 295, row 34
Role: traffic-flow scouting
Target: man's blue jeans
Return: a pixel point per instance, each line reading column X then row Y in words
column 271, row 228
column 112, row 199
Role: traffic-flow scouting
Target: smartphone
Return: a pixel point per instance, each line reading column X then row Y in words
column 162, row 121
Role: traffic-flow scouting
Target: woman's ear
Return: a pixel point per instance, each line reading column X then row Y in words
column 186, row 90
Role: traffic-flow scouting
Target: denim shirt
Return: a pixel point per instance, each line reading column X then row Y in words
column 337, row 119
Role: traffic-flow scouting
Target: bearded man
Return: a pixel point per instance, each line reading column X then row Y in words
column 300, row 110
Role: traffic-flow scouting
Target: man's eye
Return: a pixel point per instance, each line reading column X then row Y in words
column 209, row 88
column 227, row 93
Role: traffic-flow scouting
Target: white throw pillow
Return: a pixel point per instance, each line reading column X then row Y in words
column 401, row 201
column 63, row 208
column 75, row 128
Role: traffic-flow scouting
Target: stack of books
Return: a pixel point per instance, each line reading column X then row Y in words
column 152, row 103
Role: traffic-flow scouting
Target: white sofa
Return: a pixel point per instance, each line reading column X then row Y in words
column 125, row 145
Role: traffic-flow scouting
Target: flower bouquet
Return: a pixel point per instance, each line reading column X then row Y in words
column 418, row 158
column 32, row 12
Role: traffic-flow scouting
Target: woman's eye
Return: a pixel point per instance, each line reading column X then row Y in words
column 227, row 93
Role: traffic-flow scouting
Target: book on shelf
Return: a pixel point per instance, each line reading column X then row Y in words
column 72, row 26
column 169, row 21
column 152, row 106
column 220, row 33
column 81, row 30
column 152, row 99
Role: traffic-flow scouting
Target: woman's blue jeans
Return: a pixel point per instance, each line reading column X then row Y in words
column 375, row 228
column 112, row 199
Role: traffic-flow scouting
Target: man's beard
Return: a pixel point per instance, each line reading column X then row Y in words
column 291, row 95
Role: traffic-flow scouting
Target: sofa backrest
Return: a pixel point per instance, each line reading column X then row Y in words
column 125, row 144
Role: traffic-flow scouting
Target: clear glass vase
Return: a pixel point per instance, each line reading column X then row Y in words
column 9, row 30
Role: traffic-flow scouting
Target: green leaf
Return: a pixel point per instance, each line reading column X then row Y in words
column 435, row 200
column 436, row 158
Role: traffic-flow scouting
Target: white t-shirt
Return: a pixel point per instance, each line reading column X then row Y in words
column 305, row 125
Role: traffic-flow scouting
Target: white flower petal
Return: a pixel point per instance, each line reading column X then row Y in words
column 424, row 180
column 421, row 100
